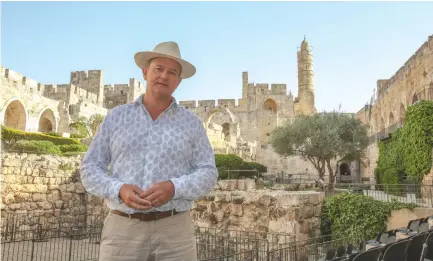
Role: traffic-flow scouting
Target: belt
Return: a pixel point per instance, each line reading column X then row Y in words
column 150, row 216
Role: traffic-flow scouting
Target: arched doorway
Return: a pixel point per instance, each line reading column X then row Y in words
column 402, row 113
column 415, row 98
column 224, row 117
column 345, row 169
column 15, row 116
column 391, row 119
column 270, row 105
column 47, row 121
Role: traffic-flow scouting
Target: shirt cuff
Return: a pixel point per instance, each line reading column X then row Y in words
column 177, row 188
column 115, row 193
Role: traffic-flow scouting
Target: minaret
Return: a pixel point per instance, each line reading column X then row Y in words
column 305, row 79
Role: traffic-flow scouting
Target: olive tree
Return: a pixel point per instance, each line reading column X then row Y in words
column 322, row 138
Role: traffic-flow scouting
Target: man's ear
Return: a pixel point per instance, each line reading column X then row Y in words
column 144, row 70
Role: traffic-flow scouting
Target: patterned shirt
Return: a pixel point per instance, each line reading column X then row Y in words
column 142, row 151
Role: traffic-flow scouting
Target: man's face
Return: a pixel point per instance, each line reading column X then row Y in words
column 163, row 77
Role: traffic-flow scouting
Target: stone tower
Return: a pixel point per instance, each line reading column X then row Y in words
column 305, row 80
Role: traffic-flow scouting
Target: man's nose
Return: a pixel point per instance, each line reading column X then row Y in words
column 164, row 74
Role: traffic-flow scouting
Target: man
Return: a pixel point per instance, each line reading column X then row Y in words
column 161, row 161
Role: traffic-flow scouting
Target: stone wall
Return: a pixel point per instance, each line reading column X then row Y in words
column 238, row 205
column 48, row 187
column 34, row 184
column 411, row 83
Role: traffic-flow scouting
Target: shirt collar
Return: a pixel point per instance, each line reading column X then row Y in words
column 139, row 101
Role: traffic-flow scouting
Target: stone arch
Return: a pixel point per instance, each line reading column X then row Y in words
column 233, row 125
column 270, row 105
column 15, row 115
column 47, row 121
column 345, row 169
column 391, row 119
column 402, row 112
column 382, row 124
column 415, row 98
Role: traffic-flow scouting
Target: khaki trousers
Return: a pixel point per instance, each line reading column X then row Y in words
column 168, row 239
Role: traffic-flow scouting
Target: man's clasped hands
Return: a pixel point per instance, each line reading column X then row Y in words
column 139, row 199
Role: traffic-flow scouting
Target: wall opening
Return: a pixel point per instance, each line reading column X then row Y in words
column 415, row 98
column 47, row 121
column 402, row 113
column 382, row 124
column 15, row 116
column 345, row 169
column 391, row 119
column 226, row 131
column 270, row 105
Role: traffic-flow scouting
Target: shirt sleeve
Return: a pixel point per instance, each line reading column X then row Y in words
column 204, row 175
column 94, row 166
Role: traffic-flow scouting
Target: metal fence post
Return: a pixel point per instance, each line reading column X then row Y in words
column 33, row 246
column 70, row 245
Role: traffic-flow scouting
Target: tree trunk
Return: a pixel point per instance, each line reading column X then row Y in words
column 331, row 174
column 319, row 165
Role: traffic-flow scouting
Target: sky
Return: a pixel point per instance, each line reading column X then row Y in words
column 354, row 43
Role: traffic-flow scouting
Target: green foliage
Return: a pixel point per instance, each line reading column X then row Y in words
column 320, row 138
column 55, row 134
column 356, row 216
column 11, row 136
column 73, row 148
column 81, row 126
column 87, row 127
column 36, row 146
column 226, row 163
column 77, row 136
column 410, row 148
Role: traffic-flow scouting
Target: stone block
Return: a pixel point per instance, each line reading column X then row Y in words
column 317, row 210
column 200, row 207
column 241, row 184
column 22, row 197
column 314, row 199
column 283, row 226
column 222, row 196
column 227, row 185
column 39, row 197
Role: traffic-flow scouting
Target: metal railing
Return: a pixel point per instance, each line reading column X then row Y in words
column 39, row 238
column 76, row 238
column 417, row 194
column 238, row 174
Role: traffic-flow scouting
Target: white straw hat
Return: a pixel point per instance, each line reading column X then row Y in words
column 168, row 50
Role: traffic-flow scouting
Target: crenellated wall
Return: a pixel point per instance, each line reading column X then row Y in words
column 241, row 126
column 91, row 80
column 24, row 108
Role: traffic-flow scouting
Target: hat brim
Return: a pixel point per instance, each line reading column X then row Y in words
column 142, row 59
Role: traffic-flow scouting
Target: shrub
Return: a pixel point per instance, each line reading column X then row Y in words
column 77, row 136
column 54, row 134
column 356, row 216
column 11, row 136
column 227, row 163
column 36, row 146
column 410, row 148
column 73, row 148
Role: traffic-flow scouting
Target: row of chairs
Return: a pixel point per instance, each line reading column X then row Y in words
column 417, row 245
